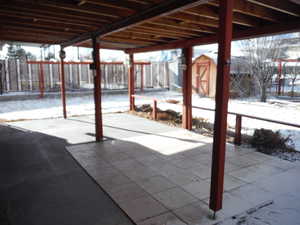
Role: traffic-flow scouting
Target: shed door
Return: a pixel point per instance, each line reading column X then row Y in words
column 202, row 78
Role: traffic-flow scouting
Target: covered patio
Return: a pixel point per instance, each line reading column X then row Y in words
column 159, row 174
column 143, row 26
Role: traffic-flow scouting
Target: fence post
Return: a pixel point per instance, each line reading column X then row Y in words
column 30, row 76
column 19, row 75
column 7, row 75
column 142, row 77
column 154, row 111
column 41, row 80
column 51, row 75
column 238, row 129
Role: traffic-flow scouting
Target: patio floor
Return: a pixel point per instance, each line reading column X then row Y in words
column 161, row 175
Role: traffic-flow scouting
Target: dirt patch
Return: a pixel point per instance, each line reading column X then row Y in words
column 3, row 120
column 200, row 125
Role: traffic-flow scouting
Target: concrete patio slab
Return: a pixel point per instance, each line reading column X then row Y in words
column 42, row 184
column 161, row 174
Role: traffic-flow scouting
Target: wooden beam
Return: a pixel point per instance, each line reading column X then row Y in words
column 56, row 12
column 194, row 19
column 41, row 17
column 97, row 91
column 131, row 5
column 212, row 13
column 286, row 7
column 136, row 36
column 14, row 38
column 33, row 35
column 222, row 96
column 41, row 24
column 62, row 83
column 31, row 30
column 250, row 9
column 187, row 89
column 86, row 8
column 128, row 41
column 273, row 29
column 171, row 30
column 181, row 25
column 131, row 82
column 163, row 33
column 164, row 8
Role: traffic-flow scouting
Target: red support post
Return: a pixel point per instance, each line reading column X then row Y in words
column 154, row 112
column 97, row 90
column 222, row 95
column 62, row 82
column 238, row 130
column 187, row 89
column 142, row 77
column 131, row 82
column 41, row 81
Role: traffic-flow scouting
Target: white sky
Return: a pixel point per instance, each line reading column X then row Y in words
column 71, row 52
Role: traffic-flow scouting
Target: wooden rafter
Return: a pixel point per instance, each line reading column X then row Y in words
column 282, row 6
column 162, row 9
column 237, row 35
column 136, row 23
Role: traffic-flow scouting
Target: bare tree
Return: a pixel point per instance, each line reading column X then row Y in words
column 261, row 54
column 293, row 72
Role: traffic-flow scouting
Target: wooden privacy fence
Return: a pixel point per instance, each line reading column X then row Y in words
column 44, row 76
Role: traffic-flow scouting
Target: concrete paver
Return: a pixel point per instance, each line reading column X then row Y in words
column 169, row 168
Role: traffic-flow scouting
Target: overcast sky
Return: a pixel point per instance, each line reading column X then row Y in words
column 72, row 52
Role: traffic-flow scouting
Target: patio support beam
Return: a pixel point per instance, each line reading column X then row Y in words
column 62, row 56
column 222, row 95
column 187, row 89
column 131, row 82
column 97, row 90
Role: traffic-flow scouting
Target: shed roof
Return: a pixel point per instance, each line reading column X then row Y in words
column 139, row 25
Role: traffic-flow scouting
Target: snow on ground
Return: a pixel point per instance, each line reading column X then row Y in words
column 281, row 110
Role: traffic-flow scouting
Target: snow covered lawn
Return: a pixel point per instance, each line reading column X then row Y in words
column 51, row 108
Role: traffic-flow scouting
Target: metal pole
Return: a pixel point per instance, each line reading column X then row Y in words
column 62, row 81
column 187, row 89
column 97, row 90
column 222, row 94
column 131, row 82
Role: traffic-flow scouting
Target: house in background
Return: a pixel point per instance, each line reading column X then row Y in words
column 204, row 73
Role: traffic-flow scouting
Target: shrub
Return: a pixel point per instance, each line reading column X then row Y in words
column 270, row 142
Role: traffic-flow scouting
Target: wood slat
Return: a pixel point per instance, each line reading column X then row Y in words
column 54, row 12
column 280, row 6
column 40, row 24
column 86, row 8
column 164, row 8
column 56, row 20
column 212, row 13
column 195, row 19
column 182, row 25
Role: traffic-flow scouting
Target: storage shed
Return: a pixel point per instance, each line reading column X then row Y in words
column 204, row 73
